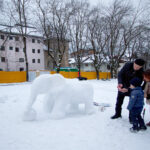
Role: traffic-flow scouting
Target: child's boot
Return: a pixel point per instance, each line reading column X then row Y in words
column 143, row 128
column 134, row 129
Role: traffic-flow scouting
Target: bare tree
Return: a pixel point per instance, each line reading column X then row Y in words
column 122, row 28
column 18, row 11
column 54, row 21
column 142, row 46
column 79, row 31
column 97, row 38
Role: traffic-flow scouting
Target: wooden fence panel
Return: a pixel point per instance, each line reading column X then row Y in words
column 20, row 76
column 12, row 76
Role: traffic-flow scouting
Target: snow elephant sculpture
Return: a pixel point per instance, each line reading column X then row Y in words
column 59, row 94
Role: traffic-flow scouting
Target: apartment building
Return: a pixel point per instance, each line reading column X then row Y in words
column 12, row 53
column 82, row 52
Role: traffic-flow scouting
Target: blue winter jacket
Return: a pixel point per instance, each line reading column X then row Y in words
column 136, row 98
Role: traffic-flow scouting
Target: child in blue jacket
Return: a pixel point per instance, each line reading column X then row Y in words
column 136, row 104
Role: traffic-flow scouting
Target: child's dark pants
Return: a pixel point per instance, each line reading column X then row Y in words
column 136, row 118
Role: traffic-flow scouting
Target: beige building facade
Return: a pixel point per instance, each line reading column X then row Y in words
column 53, row 44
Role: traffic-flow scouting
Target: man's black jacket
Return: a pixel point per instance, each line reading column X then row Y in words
column 127, row 73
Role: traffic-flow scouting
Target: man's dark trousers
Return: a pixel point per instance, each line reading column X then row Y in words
column 120, row 98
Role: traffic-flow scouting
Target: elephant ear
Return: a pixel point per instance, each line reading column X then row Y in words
column 29, row 115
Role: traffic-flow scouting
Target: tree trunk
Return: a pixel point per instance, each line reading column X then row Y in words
column 79, row 73
column 58, row 70
column 79, row 68
column 26, row 60
column 111, row 72
column 97, row 74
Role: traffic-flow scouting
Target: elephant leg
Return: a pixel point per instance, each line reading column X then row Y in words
column 30, row 114
column 89, row 107
column 48, row 103
column 74, row 108
column 32, row 99
column 58, row 111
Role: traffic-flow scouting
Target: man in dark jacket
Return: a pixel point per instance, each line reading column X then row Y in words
column 128, row 72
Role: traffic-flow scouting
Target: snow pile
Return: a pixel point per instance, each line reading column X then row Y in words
column 75, row 132
column 61, row 96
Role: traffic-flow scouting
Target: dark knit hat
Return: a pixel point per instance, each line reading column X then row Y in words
column 139, row 62
column 136, row 81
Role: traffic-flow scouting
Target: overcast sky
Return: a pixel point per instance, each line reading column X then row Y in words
column 134, row 2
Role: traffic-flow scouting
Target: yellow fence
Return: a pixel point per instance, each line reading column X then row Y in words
column 88, row 75
column 13, row 77
column 70, row 75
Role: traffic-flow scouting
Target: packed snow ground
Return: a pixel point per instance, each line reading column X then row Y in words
column 75, row 132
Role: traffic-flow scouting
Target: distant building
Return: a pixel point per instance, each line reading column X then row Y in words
column 88, row 65
column 12, row 56
column 54, row 52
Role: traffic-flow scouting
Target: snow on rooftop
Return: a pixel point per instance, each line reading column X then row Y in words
column 15, row 30
column 86, row 60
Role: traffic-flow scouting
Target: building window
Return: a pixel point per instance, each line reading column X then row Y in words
column 16, row 38
column 17, row 49
column 2, row 59
column 21, row 69
column 38, row 41
column 2, row 48
column 33, row 40
column 38, row 50
column 33, row 60
column 21, row 59
column 33, row 50
column 2, row 37
column 10, row 38
column 38, row 60
column 10, row 48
